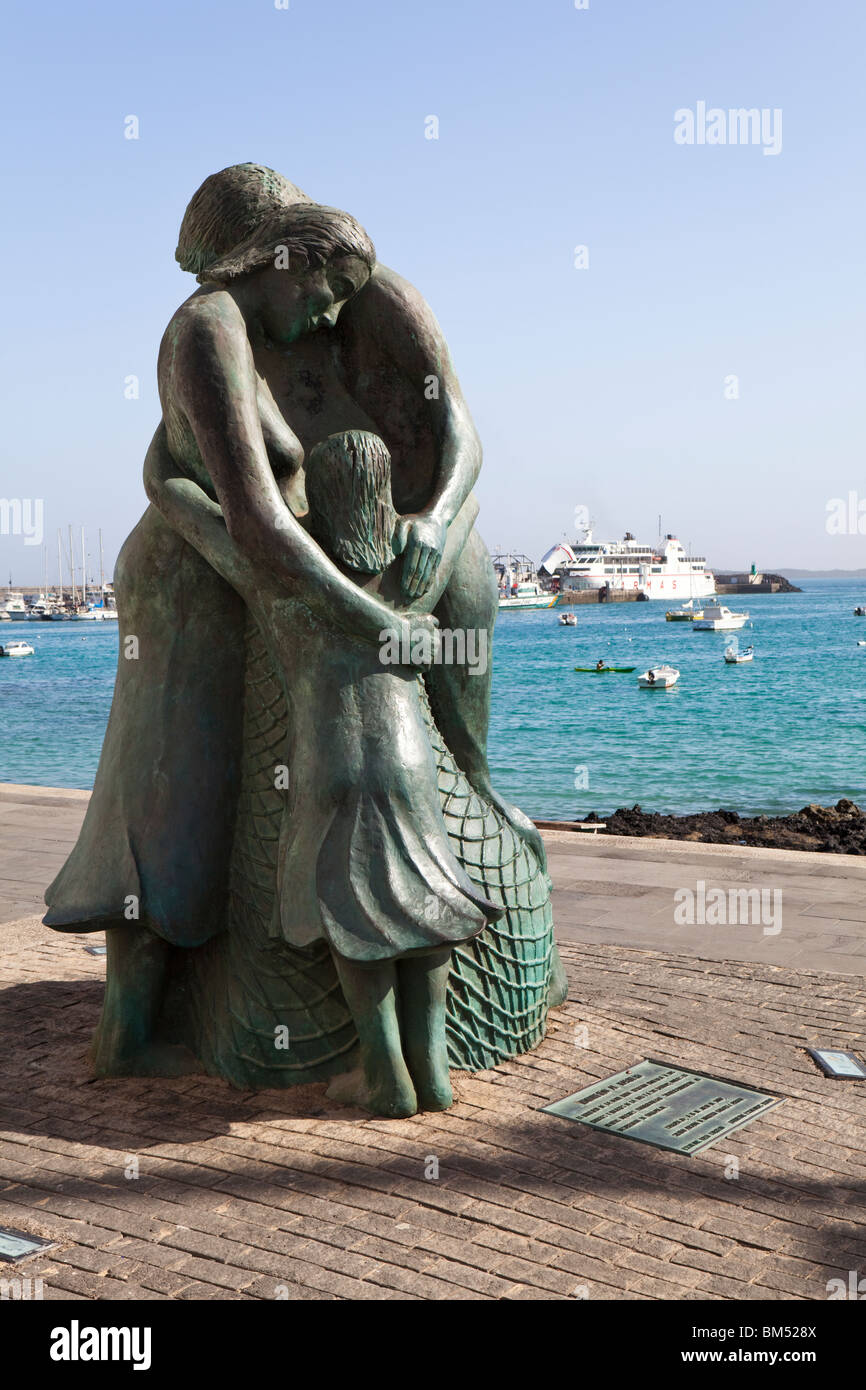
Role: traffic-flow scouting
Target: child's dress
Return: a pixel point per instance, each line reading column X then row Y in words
column 365, row 860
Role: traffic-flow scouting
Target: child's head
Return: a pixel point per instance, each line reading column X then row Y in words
column 352, row 515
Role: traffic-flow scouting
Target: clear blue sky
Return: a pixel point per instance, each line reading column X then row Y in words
column 601, row 387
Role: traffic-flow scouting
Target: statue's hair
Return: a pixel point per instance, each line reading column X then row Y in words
column 227, row 209
column 352, row 515
column 306, row 233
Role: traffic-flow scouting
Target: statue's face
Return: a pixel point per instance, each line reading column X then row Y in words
column 295, row 303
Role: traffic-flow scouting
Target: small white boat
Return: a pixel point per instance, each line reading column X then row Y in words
column 860, row 612
column 861, row 644
column 567, row 620
column 686, row 614
column 658, row 678
column 736, row 658
column 17, row 649
column 717, row 618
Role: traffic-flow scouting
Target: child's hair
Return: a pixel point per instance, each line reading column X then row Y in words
column 352, row 515
column 227, row 209
column 306, row 234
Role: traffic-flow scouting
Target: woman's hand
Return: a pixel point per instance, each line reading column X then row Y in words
column 412, row 639
column 421, row 540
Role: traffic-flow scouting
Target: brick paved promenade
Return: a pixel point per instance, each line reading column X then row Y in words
column 286, row 1195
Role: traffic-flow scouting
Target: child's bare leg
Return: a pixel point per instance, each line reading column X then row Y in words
column 371, row 994
column 423, row 983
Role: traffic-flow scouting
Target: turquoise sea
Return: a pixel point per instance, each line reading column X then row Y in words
column 768, row 737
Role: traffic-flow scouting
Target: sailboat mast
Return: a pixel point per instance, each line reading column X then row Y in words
column 60, row 567
column 72, row 568
column 83, row 569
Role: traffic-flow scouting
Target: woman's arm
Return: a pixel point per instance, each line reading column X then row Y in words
column 399, row 319
column 199, row 520
column 252, row 538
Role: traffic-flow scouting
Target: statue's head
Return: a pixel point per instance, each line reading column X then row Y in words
column 227, row 209
column 352, row 515
column 306, row 262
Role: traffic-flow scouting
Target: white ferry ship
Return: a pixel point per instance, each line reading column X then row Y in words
column 658, row 571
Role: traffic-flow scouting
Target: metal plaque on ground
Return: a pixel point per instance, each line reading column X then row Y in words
column 17, row 1245
column 670, row 1107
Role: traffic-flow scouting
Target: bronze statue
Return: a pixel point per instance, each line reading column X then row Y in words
column 298, row 346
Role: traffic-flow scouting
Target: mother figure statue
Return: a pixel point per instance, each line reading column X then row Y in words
column 293, row 842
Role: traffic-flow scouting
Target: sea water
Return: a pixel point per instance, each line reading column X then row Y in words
column 769, row 736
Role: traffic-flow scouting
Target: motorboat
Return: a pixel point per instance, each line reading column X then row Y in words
column 736, row 658
column 717, row 618
column 658, row 678
column 518, row 583
column 527, row 594
column 17, row 649
column 860, row 612
column 15, row 607
column 567, row 620
column 41, row 609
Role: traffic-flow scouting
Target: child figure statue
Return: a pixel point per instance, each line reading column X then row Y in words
column 364, row 854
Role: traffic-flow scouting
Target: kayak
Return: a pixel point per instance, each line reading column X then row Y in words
column 607, row 670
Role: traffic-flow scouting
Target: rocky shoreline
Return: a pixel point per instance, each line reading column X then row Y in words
column 839, row 829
